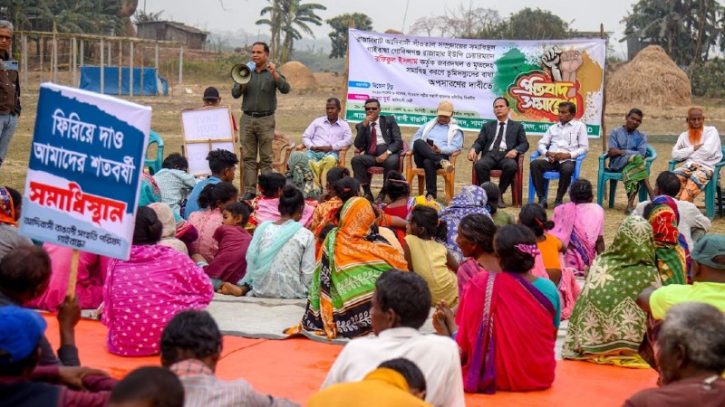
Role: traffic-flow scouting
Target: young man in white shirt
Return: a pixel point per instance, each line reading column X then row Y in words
column 559, row 148
column 700, row 149
column 400, row 306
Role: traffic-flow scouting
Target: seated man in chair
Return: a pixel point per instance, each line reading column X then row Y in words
column 433, row 144
column 379, row 138
column 324, row 138
column 500, row 142
column 559, row 148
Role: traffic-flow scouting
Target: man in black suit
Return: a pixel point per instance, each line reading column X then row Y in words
column 501, row 142
column 379, row 138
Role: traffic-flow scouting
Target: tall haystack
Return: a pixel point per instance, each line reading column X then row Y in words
column 298, row 75
column 650, row 79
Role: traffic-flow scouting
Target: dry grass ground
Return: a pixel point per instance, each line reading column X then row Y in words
column 296, row 110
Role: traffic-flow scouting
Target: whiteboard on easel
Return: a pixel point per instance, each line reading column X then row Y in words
column 206, row 129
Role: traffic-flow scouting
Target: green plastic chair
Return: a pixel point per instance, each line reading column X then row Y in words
column 614, row 177
column 712, row 187
column 155, row 163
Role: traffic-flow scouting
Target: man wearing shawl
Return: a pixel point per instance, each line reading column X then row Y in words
column 471, row 199
column 344, row 280
column 606, row 325
column 627, row 151
column 324, row 138
column 700, row 149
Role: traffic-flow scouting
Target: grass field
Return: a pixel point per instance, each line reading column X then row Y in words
column 297, row 109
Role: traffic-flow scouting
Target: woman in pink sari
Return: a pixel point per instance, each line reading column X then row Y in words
column 580, row 227
column 144, row 292
column 212, row 199
column 507, row 321
column 89, row 286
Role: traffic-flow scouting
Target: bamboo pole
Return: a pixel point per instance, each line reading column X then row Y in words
column 130, row 66
column 24, row 45
column 73, row 277
column 103, row 68
column 347, row 72
column 604, row 92
column 74, row 57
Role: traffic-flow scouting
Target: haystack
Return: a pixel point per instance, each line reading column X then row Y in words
column 650, row 79
column 298, row 75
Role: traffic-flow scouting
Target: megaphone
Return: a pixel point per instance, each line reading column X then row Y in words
column 241, row 74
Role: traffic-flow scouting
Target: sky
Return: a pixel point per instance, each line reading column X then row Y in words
column 584, row 15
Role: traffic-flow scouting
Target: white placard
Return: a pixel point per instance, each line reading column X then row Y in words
column 206, row 129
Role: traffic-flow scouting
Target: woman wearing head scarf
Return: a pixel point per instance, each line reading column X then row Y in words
column 143, row 293
column 10, row 209
column 343, row 283
column 671, row 251
column 168, row 234
column 301, row 175
column 471, row 199
column 606, row 325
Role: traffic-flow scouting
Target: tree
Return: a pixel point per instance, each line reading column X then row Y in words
column 142, row 17
column 465, row 22
column 538, row 24
column 275, row 12
column 340, row 25
column 296, row 18
column 687, row 29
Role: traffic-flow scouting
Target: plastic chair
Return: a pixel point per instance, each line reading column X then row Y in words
column 712, row 188
column 551, row 175
column 449, row 178
column 380, row 170
column 282, row 148
column 517, row 187
column 613, row 177
column 155, row 164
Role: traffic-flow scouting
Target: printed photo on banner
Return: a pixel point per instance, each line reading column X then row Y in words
column 411, row 75
column 206, row 129
column 84, row 171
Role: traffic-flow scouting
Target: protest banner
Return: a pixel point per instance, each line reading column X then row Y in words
column 84, row 171
column 411, row 75
column 206, row 129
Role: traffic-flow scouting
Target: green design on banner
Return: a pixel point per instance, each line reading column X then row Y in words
column 508, row 68
column 466, row 123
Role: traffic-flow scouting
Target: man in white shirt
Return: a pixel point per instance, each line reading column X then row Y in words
column 324, row 138
column 692, row 224
column 700, row 149
column 400, row 306
column 559, row 148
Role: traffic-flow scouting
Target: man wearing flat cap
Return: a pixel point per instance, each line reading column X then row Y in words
column 433, row 144
column 708, row 275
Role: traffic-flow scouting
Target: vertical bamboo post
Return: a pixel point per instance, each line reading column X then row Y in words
column 73, row 277
column 55, row 58
column 82, row 52
column 130, row 67
column 141, row 93
column 103, row 69
column 120, row 63
column 181, row 69
column 24, row 45
column 74, row 56
column 41, row 44
column 604, row 92
column 347, row 72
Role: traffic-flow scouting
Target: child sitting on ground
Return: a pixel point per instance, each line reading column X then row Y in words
column 174, row 182
column 266, row 206
column 230, row 263
column 429, row 258
column 330, row 202
column 212, row 199
column 500, row 218
column 533, row 216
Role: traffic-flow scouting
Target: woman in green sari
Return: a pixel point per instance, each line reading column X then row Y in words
column 607, row 326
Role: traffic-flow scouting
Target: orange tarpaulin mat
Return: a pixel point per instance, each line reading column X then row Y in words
column 295, row 369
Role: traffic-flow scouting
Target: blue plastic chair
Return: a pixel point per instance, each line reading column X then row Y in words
column 613, row 177
column 551, row 175
column 712, row 187
column 155, row 163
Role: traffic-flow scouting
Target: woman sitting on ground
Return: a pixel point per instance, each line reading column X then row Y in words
column 266, row 206
column 579, row 225
column 281, row 256
column 428, row 257
column 671, row 251
column 506, row 322
column 500, row 218
column 471, row 199
column 168, row 235
column 143, row 293
column 344, row 280
column 606, row 325
column 10, row 210
column 475, row 240
column 212, row 199
column 400, row 200
column 301, row 176
column 230, row 263
column 331, row 201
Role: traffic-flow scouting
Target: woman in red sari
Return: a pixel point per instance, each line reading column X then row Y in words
column 507, row 321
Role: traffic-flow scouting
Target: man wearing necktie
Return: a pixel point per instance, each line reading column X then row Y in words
column 379, row 138
column 500, row 142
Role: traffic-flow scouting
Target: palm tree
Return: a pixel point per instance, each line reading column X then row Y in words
column 276, row 13
column 297, row 18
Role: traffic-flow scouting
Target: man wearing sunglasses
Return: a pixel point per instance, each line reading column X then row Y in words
column 379, row 139
column 9, row 89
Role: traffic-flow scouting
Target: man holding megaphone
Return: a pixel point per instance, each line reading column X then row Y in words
column 259, row 87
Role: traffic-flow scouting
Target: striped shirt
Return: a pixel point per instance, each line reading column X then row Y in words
column 203, row 389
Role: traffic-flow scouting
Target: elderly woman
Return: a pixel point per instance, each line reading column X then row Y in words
column 471, row 199
column 168, row 234
column 344, row 280
column 143, row 293
column 606, row 325
column 671, row 252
